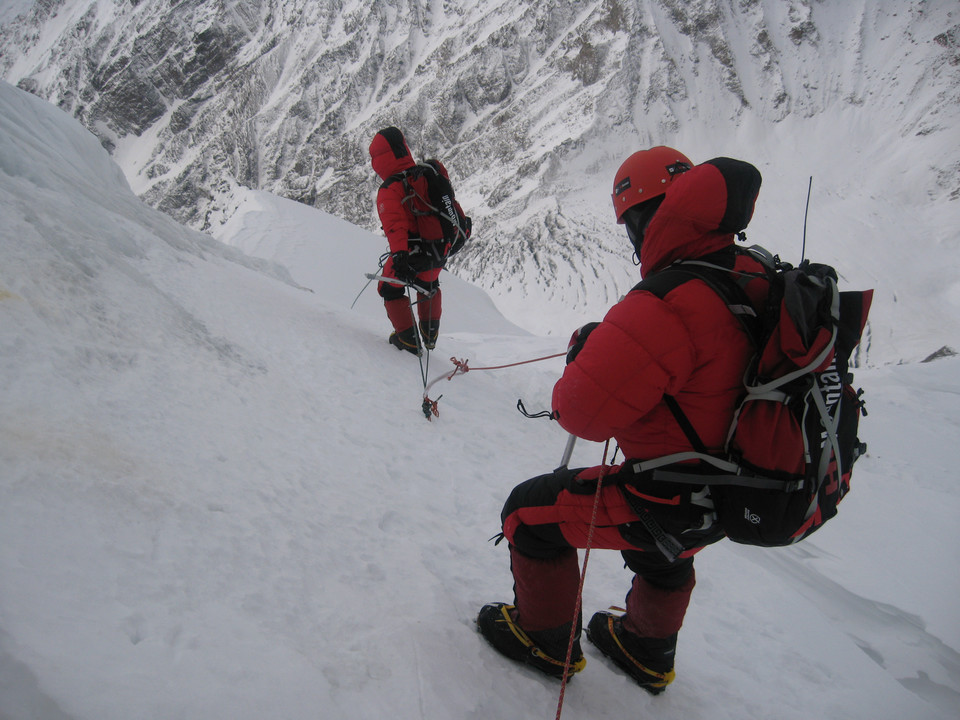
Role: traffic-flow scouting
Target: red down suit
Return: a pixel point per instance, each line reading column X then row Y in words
column 389, row 155
column 688, row 344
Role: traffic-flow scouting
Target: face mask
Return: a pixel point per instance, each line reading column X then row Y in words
column 637, row 218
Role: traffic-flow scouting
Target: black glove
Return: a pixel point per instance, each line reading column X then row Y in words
column 577, row 340
column 401, row 267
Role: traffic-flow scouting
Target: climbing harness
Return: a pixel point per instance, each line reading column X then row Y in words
column 380, row 277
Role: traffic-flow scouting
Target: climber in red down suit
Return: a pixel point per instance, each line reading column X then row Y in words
column 424, row 225
column 620, row 377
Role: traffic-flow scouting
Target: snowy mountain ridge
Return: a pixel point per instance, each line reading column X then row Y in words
column 531, row 105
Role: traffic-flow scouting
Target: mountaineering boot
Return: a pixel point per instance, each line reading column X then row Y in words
column 649, row 661
column 405, row 340
column 546, row 650
column 643, row 641
column 429, row 331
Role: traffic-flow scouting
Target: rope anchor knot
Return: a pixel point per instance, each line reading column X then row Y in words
column 461, row 367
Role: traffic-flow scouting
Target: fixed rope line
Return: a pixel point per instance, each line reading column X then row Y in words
column 421, row 350
column 370, row 278
column 462, row 368
column 583, row 576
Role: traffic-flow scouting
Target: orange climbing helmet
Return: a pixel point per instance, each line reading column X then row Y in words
column 646, row 175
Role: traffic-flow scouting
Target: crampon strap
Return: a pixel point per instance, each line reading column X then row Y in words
column 571, row 667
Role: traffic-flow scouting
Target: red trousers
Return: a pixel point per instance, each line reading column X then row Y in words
column 397, row 303
column 548, row 517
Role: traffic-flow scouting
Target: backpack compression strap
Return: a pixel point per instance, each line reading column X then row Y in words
column 419, row 170
column 715, row 271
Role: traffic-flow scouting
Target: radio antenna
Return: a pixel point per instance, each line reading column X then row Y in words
column 803, row 249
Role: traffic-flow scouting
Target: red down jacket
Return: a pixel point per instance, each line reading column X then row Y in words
column 389, row 155
column 687, row 344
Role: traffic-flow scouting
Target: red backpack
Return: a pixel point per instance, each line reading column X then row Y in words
column 793, row 441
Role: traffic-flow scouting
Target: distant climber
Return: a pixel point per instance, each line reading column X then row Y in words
column 424, row 225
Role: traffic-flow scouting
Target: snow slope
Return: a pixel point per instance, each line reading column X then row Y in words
column 220, row 499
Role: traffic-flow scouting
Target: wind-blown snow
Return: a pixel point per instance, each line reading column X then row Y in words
column 220, row 498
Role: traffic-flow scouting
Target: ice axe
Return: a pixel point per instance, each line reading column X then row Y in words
column 392, row 281
column 402, row 283
column 567, row 452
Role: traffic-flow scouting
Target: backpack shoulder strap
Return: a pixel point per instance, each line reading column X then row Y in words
column 684, row 422
column 396, row 177
column 405, row 176
column 717, row 272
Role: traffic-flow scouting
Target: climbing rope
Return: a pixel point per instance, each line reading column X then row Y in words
column 371, row 277
column 422, row 350
column 461, row 367
column 583, row 576
column 430, row 408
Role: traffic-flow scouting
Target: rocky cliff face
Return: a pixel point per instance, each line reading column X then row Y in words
column 531, row 105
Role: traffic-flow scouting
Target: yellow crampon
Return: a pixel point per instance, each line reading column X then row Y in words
column 665, row 678
column 518, row 632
